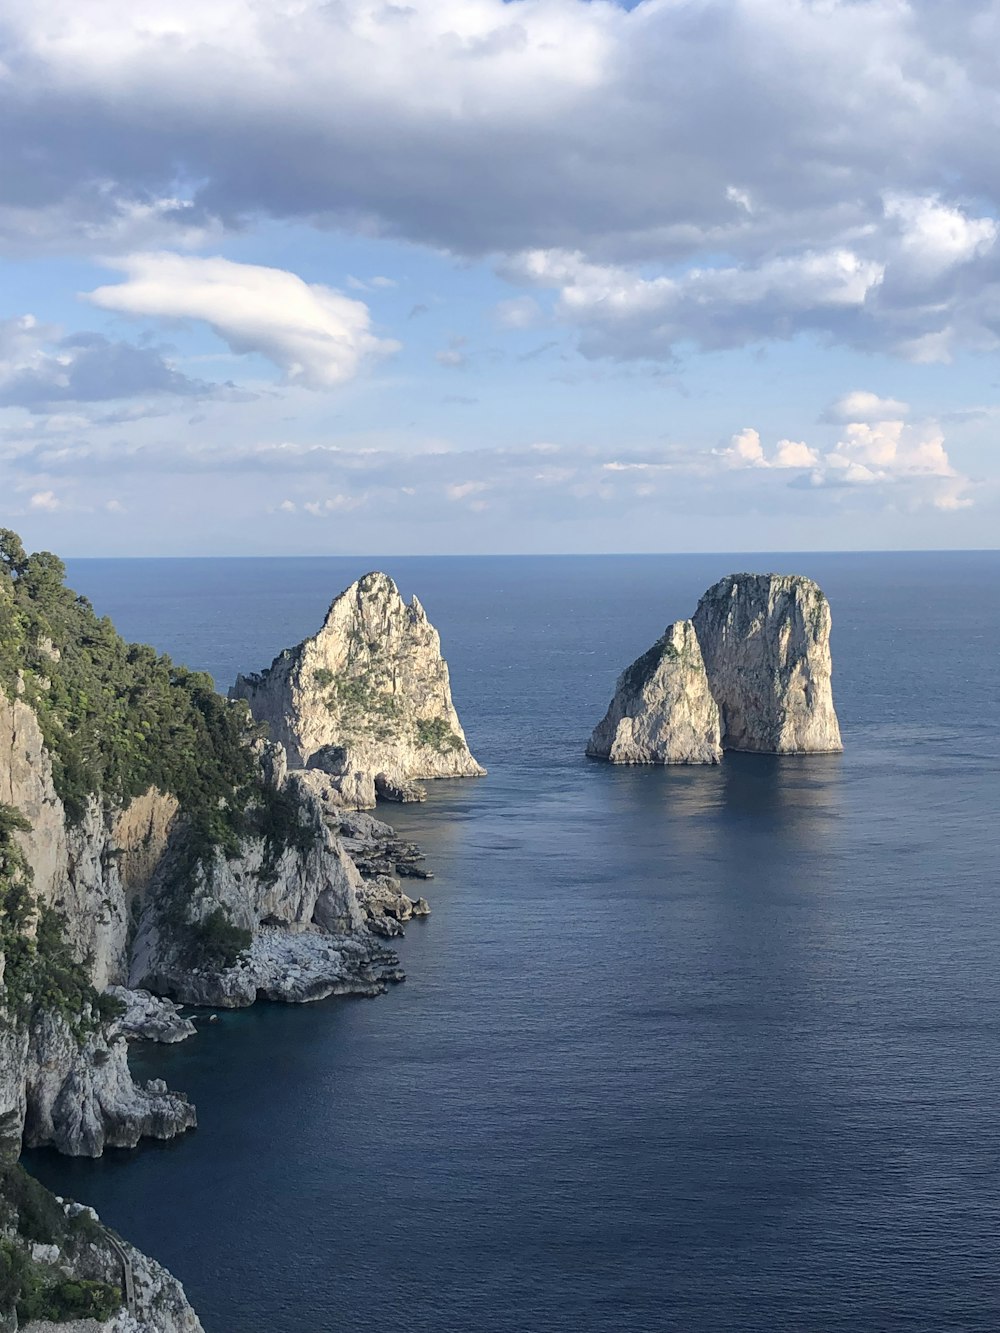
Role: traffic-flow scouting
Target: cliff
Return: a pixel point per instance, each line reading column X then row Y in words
column 367, row 699
column 662, row 711
column 62, row 1271
column 751, row 671
column 766, row 643
column 149, row 836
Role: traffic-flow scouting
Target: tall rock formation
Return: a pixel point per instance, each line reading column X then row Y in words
column 367, row 698
column 662, row 711
column 766, row 643
column 750, row 672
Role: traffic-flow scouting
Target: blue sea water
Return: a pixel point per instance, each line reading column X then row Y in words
column 706, row 1050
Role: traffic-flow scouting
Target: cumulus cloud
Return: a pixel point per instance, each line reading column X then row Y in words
column 46, row 501
column 316, row 336
column 745, row 449
column 40, row 367
column 886, row 453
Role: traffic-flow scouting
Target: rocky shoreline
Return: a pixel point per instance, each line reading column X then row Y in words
column 120, row 909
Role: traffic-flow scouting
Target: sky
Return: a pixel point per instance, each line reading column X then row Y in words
column 466, row 276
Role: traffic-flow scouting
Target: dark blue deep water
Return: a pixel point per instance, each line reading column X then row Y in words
column 715, row 1051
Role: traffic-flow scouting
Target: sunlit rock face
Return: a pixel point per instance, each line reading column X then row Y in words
column 765, row 639
column 367, row 699
column 662, row 711
column 751, row 671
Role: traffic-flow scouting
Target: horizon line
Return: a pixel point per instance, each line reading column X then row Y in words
column 550, row 555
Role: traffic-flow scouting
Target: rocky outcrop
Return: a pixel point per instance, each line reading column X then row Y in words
column 766, row 643
column 76, row 1093
column 751, row 671
column 80, row 1096
column 367, row 699
column 241, row 888
column 302, row 915
column 662, row 711
column 148, row 1017
column 77, row 1260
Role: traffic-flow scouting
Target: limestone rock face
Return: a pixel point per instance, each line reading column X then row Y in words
column 765, row 639
column 82, row 1098
column 153, row 1301
column 94, row 871
column 751, row 671
column 367, row 699
column 78, row 1096
column 662, row 711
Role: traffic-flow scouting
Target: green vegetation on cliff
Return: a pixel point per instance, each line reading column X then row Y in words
column 119, row 718
column 39, row 970
column 29, row 1215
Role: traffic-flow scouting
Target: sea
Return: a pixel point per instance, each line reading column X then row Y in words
column 713, row 1050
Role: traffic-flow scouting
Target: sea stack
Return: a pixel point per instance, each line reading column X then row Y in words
column 662, row 711
column 751, row 671
column 766, row 643
column 367, row 699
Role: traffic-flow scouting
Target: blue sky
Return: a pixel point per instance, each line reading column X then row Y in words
column 475, row 276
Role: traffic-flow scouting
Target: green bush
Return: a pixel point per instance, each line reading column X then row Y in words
column 65, row 1299
column 215, row 941
column 40, row 971
column 437, row 734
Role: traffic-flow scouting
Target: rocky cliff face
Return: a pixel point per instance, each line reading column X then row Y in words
column 94, row 871
column 68, row 1273
column 751, row 672
column 367, row 699
column 766, row 643
column 662, row 711
column 149, row 836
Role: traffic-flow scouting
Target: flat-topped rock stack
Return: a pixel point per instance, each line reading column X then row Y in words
column 751, row 671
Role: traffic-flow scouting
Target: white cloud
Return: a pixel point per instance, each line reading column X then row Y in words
column 861, row 405
column 334, row 504
column 317, row 336
column 887, row 453
column 621, row 312
column 793, row 453
column 935, row 236
column 47, row 501
column 838, row 156
column 746, row 450
column 462, row 490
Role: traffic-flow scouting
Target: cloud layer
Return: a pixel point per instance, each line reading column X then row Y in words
column 40, row 368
